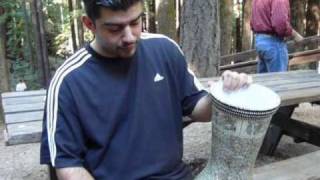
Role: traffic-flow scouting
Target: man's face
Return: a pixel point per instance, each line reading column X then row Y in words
column 117, row 32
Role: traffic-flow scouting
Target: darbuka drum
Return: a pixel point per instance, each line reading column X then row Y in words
column 239, row 123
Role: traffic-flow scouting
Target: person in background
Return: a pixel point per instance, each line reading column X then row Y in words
column 270, row 21
column 114, row 109
column 21, row 86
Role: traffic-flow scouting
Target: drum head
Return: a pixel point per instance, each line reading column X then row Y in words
column 253, row 98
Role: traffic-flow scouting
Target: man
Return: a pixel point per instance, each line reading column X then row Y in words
column 270, row 22
column 114, row 109
column 21, row 86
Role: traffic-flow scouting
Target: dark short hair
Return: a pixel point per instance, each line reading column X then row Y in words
column 93, row 7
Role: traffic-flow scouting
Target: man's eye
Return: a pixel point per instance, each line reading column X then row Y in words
column 114, row 29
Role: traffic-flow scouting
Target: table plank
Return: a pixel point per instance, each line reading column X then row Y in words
column 298, row 96
column 293, row 87
column 305, row 167
column 288, row 81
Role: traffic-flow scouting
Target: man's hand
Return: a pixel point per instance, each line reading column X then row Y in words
column 233, row 81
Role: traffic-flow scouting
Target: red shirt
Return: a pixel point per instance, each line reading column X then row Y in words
column 271, row 17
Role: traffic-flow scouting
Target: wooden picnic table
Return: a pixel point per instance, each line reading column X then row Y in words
column 293, row 87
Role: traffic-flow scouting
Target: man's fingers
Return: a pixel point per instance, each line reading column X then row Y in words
column 229, row 80
column 235, row 78
column 233, row 81
column 245, row 79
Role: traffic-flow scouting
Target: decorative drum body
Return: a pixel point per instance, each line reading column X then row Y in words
column 239, row 123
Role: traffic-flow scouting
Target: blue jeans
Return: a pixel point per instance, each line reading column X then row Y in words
column 272, row 52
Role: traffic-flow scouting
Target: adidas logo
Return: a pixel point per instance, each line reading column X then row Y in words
column 158, row 78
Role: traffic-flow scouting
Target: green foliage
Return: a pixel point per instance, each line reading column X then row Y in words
column 60, row 34
column 23, row 70
column 15, row 26
column 18, row 46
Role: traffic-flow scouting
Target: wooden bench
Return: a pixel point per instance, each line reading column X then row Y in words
column 246, row 61
column 23, row 114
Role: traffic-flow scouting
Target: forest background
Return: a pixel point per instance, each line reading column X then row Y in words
column 36, row 36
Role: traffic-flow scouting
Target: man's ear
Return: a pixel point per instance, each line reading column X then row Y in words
column 88, row 23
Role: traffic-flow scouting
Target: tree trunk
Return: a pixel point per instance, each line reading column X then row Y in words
column 200, row 36
column 313, row 24
column 166, row 18
column 247, row 36
column 40, row 42
column 226, row 7
column 80, row 31
column 4, row 70
column 238, row 27
column 150, row 18
column 72, row 26
column 29, row 51
column 313, row 18
column 298, row 15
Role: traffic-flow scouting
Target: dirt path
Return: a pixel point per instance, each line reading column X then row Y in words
column 21, row 162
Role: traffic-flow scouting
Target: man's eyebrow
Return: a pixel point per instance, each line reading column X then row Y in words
column 123, row 24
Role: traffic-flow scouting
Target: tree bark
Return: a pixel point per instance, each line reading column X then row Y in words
column 80, row 31
column 313, row 18
column 226, row 11
column 298, row 15
column 166, row 18
column 238, row 39
column 313, row 24
column 247, row 36
column 40, row 42
column 200, row 36
column 4, row 70
column 72, row 26
column 151, row 19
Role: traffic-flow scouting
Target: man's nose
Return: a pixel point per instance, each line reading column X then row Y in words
column 128, row 36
